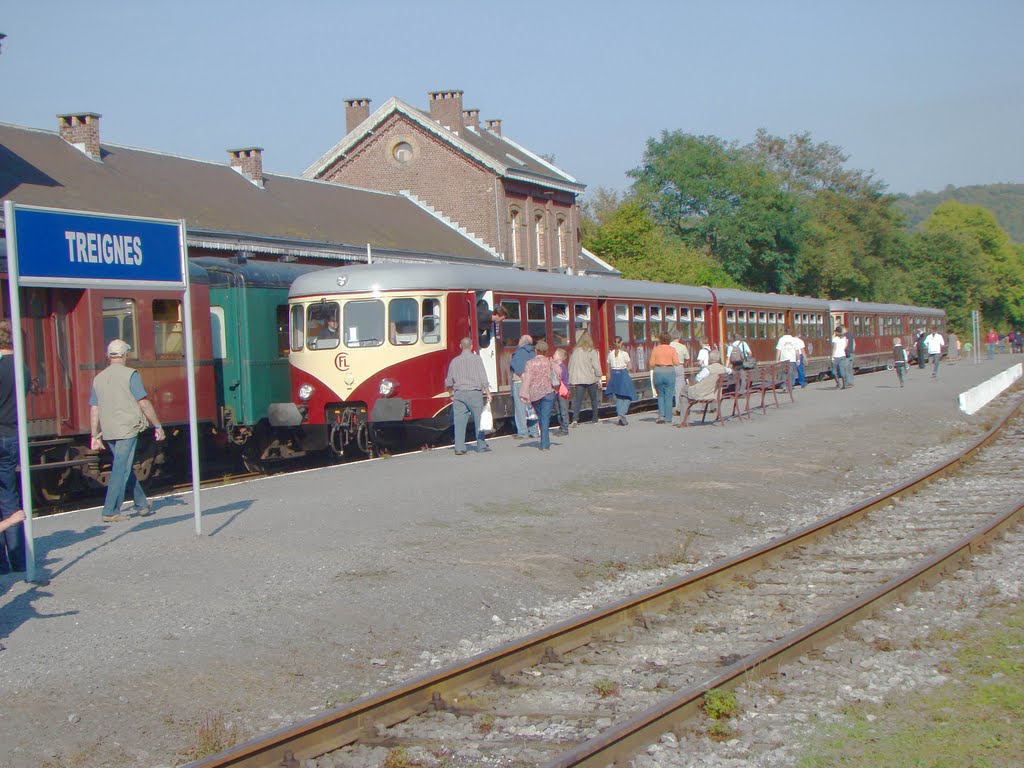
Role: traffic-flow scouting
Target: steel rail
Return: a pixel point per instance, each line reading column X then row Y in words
column 361, row 718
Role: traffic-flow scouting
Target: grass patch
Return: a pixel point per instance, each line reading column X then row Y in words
column 212, row 735
column 975, row 721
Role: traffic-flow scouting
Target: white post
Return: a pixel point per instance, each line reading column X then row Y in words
column 190, row 377
column 369, row 254
column 19, row 386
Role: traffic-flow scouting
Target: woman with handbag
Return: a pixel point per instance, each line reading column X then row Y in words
column 541, row 379
column 563, row 391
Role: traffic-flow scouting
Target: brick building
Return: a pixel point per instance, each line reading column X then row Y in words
column 512, row 201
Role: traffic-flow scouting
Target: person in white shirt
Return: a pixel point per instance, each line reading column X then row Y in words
column 788, row 350
column 839, row 342
column 684, row 358
column 934, row 343
column 702, row 354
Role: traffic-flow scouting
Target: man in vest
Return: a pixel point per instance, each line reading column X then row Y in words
column 120, row 407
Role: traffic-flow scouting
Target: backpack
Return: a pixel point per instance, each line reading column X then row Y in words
column 736, row 354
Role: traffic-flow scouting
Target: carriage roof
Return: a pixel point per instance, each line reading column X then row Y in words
column 870, row 306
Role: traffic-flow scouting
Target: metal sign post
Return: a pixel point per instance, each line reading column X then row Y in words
column 55, row 248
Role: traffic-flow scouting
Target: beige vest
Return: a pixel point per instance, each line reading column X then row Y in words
column 120, row 414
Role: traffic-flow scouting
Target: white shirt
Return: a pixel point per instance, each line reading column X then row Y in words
column 704, row 356
column 839, row 346
column 618, row 359
column 934, row 342
column 789, row 348
column 681, row 350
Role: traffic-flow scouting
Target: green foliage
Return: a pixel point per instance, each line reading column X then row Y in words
column 946, row 269
column 1006, row 201
column 720, row 704
column 1001, row 290
column 606, row 688
column 714, row 198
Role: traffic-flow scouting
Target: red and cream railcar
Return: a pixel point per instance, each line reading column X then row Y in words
column 66, row 332
column 875, row 326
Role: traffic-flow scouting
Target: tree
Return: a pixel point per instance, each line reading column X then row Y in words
column 946, row 269
column 710, row 195
column 1001, row 287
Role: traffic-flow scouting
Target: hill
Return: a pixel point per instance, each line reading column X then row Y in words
column 1006, row 201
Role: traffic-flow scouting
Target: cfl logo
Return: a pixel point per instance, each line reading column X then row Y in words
column 341, row 361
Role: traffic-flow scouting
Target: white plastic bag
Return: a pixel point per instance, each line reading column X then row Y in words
column 486, row 419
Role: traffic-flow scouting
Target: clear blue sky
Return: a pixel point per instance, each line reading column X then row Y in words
column 923, row 92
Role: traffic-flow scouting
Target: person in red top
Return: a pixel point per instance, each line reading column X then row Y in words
column 991, row 339
column 664, row 360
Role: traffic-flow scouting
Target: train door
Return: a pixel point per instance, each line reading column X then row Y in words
column 488, row 337
column 837, row 320
column 461, row 321
column 41, row 401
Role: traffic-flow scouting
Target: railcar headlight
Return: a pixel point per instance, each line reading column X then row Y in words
column 305, row 392
column 388, row 387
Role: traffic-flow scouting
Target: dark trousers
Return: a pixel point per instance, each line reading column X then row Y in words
column 12, row 541
column 578, row 390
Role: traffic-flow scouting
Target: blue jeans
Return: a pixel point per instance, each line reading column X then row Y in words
column 522, row 428
column 622, row 406
column 838, row 371
column 122, row 477
column 665, row 386
column 543, row 408
column 801, row 378
column 848, row 371
column 12, row 541
column 468, row 403
column 990, row 351
column 935, row 363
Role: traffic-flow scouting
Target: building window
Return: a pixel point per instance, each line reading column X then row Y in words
column 513, row 219
column 402, row 152
column 538, row 241
column 560, row 259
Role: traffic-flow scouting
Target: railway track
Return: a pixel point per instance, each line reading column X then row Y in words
column 596, row 690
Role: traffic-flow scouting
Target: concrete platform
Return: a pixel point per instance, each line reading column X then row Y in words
column 309, row 589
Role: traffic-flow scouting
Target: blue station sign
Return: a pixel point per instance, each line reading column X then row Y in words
column 69, row 248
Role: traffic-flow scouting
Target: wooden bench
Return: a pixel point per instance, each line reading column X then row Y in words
column 770, row 377
column 715, row 398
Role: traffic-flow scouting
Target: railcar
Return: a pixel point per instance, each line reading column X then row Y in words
column 248, row 329
column 370, row 344
column 875, row 326
column 66, row 332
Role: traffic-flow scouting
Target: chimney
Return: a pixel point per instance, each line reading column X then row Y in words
column 471, row 118
column 249, row 163
column 81, row 130
column 494, row 126
column 356, row 110
column 446, row 108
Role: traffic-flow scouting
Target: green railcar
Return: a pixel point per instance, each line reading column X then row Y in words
column 249, row 330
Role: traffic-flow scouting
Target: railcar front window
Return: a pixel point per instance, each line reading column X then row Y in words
column 298, row 327
column 402, row 321
column 512, row 325
column 364, row 323
column 119, row 322
column 322, row 321
column 431, row 321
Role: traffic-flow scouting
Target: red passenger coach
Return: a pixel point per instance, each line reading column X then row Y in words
column 875, row 326
column 66, row 332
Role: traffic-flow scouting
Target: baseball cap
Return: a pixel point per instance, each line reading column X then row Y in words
column 118, row 348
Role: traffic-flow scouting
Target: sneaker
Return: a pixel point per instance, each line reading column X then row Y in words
column 113, row 518
column 460, row 453
column 485, row 449
column 574, row 424
column 659, row 421
column 146, row 511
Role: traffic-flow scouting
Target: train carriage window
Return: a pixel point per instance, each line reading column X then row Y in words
column 363, row 325
column 298, row 327
column 639, row 323
column 730, row 324
column 282, row 330
column 322, row 321
column 218, row 339
column 656, row 327
column 856, row 323
column 762, row 325
column 431, row 321
column 168, row 341
column 741, row 323
column 119, row 322
column 559, row 323
column 698, row 324
column 535, row 320
column 581, row 313
column 403, row 321
column 512, row 325
column 684, row 323
column 622, row 321
column 672, row 321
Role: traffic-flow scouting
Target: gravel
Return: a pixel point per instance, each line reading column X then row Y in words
column 308, row 590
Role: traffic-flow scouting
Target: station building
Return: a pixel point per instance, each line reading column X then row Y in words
column 519, row 204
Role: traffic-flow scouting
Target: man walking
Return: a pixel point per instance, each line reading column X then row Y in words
column 934, row 342
column 467, row 381
column 12, row 535
column 518, row 362
column 789, row 349
column 120, row 408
